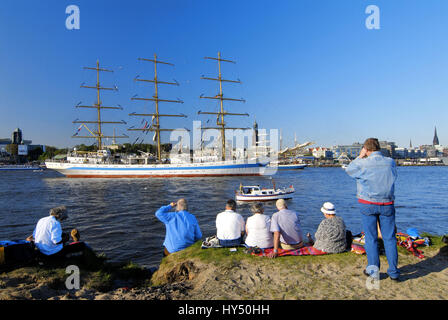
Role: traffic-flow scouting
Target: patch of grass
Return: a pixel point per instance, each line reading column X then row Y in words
column 224, row 258
column 436, row 241
column 100, row 280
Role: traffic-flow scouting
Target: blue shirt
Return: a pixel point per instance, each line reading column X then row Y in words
column 182, row 228
column 287, row 222
column 375, row 177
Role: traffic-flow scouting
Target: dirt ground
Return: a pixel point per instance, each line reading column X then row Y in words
column 256, row 278
column 312, row 279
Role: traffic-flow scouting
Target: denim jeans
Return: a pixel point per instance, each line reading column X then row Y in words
column 385, row 215
column 231, row 243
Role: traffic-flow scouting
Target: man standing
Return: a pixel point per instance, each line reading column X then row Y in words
column 285, row 224
column 230, row 226
column 182, row 228
column 375, row 176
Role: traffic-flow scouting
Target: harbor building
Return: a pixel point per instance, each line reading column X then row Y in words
column 17, row 149
column 321, row 152
column 388, row 148
column 351, row 151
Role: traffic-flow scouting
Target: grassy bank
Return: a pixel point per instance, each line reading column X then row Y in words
column 196, row 273
column 221, row 274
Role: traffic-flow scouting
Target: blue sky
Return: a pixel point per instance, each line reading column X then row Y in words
column 307, row 66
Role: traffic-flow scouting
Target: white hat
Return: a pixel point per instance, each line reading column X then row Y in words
column 328, row 208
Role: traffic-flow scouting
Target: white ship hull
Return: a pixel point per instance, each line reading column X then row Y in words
column 210, row 169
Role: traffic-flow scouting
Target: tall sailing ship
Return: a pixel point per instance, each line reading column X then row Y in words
column 102, row 164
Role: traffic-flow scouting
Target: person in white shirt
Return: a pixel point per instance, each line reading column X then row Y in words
column 230, row 226
column 47, row 235
column 258, row 226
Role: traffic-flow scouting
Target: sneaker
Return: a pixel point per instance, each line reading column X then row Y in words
column 397, row 279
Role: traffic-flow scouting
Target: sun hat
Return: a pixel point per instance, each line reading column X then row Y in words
column 328, row 208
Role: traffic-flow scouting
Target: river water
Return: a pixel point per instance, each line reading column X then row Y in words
column 116, row 216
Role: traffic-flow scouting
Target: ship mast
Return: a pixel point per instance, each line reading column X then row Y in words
column 156, row 116
column 220, row 115
column 98, row 105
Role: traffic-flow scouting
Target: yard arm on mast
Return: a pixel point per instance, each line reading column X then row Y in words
column 98, row 105
column 220, row 115
column 156, row 116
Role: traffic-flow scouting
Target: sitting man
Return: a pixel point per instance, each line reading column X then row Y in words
column 49, row 238
column 47, row 235
column 230, row 226
column 285, row 224
column 182, row 228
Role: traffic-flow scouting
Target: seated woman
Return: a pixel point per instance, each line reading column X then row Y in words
column 258, row 228
column 331, row 233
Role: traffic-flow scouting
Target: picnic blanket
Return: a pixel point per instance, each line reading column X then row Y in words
column 304, row 251
column 410, row 243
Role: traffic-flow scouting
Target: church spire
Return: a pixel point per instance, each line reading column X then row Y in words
column 435, row 141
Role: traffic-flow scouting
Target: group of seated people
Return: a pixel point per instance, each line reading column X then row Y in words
column 282, row 230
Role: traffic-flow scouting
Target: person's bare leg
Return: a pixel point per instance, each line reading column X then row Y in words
column 379, row 230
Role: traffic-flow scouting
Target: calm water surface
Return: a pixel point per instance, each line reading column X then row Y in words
column 116, row 216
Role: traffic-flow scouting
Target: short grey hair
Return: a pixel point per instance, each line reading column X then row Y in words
column 256, row 207
column 181, row 205
column 59, row 213
column 281, row 204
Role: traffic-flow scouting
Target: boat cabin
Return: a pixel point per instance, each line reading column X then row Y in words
column 256, row 190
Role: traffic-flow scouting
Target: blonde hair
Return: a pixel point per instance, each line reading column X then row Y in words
column 281, row 204
column 181, row 205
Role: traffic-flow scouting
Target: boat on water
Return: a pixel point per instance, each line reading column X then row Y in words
column 289, row 166
column 255, row 193
column 445, row 160
column 102, row 164
column 20, row 168
column 91, row 167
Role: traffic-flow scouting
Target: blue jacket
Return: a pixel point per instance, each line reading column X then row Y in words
column 375, row 177
column 182, row 228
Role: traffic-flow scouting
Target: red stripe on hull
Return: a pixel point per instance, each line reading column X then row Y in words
column 161, row 176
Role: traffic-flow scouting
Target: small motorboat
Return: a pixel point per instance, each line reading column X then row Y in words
column 255, row 193
column 291, row 166
column 286, row 166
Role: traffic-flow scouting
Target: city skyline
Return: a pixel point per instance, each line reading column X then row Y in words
column 310, row 69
